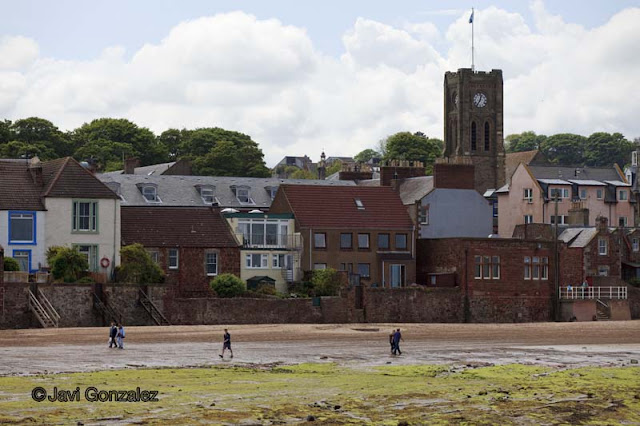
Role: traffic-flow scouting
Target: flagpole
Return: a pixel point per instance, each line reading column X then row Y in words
column 473, row 68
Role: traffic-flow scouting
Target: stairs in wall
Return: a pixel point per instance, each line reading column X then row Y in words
column 153, row 311
column 603, row 313
column 42, row 310
column 109, row 312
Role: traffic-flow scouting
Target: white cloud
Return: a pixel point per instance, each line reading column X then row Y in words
column 264, row 78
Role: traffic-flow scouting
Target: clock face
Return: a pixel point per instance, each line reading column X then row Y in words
column 480, row 100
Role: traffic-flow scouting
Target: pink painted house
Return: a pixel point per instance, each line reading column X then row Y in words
column 583, row 194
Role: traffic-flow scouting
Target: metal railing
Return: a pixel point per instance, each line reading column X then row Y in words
column 53, row 314
column 589, row 293
column 271, row 241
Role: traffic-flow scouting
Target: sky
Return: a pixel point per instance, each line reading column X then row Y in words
column 302, row 77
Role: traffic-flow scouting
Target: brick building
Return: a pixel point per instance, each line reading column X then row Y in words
column 191, row 245
column 363, row 230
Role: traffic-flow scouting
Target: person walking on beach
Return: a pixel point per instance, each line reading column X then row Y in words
column 397, row 336
column 120, row 336
column 226, row 343
column 113, row 332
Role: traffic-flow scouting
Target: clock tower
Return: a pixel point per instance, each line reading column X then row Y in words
column 473, row 124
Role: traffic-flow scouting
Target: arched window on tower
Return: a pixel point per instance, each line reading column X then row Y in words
column 487, row 136
column 474, row 144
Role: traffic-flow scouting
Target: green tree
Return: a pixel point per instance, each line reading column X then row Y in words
column 44, row 134
column 335, row 167
column 227, row 285
column 366, row 155
column 603, row 149
column 173, row 139
column 303, row 174
column 137, row 267
column 20, row 149
column 68, row 264
column 525, row 141
column 413, row 147
column 10, row 264
column 326, row 282
column 564, row 149
column 118, row 134
column 5, row 131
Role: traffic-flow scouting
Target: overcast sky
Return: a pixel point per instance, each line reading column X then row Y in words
column 300, row 76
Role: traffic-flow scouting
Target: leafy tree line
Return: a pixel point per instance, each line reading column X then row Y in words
column 106, row 141
column 599, row 149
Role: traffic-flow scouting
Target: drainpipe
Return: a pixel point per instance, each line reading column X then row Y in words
column 115, row 211
column 556, row 261
column 466, row 308
column 310, row 255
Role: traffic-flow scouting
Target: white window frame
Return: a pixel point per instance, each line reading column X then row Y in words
column 603, row 248
column 240, row 192
column 583, row 193
column 528, row 218
column 599, row 193
column 477, row 267
column 208, row 195
column 173, row 254
column 624, row 221
column 324, row 240
column 278, row 260
column 145, row 192
column 528, row 195
column 262, row 261
column 154, row 255
column 563, row 193
column 368, row 238
column 207, row 262
column 91, row 254
column 78, row 216
column 22, row 216
column 527, row 268
column 368, row 265
column 487, row 267
column 623, row 195
column 603, row 270
column 403, row 275
column 319, row 266
column 635, row 244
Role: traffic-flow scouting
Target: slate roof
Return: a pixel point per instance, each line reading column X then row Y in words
column 335, row 207
column 154, row 169
column 578, row 237
column 63, row 178
column 175, row 227
column 181, row 191
column 17, row 189
column 584, row 173
column 415, row 188
column 513, row 160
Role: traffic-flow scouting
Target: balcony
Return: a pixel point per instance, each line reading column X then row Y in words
column 270, row 241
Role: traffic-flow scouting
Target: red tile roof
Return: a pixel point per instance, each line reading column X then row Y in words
column 175, row 227
column 17, row 189
column 66, row 178
column 335, row 207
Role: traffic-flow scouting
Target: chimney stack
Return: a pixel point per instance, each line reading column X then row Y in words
column 400, row 169
column 458, row 174
column 130, row 165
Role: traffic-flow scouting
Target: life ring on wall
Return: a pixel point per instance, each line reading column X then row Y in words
column 105, row 262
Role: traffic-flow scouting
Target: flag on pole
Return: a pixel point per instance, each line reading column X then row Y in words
column 471, row 17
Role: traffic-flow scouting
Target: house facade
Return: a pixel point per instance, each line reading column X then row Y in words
column 191, row 245
column 365, row 231
column 58, row 203
column 595, row 192
column 270, row 248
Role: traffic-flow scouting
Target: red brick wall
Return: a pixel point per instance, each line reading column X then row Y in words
column 387, row 173
column 355, row 175
column 592, row 260
column 454, row 176
column 571, row 266
column 633, row 294
column 413, row 305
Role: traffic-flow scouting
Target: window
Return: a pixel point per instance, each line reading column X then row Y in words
column 345, row 241
column 536, row 268
column 474, row 144
column 22, row 228
column 602, row 247
column 319, row 266
column 150, row 194
column 262, row 232
column 363, row 241
column 242, row 194
column 90, row 252
column 173, row 259
column 603, row 271
column 346, row 267
column 528, row 218
column 359, row 203
column 495, row 208
column 23, row 257
column 635, row 244
column 279, row 261
column 320, row 240
column 622, row 222
column 528, row 195
column 560, row 193
column 401, row 241
column 487, row 267
column 583, row 194
column 272, row 191
column 397, row 275
column 211, row 263
column 487, row 135
column 622, row 195
column 383, row 241
column 85, row 216
column 560, row 219
column 363, row 270
column 424, row 214
column 257, row 261
column 599, row 194
column 153, row 254
column 207, row 195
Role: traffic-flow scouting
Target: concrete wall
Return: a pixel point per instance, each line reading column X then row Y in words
column 583, row 310
column 60, row 224
column 37, row 250
column 619, row 310
column 457, row 213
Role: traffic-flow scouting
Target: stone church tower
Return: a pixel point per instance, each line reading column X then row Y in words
column 473, row 124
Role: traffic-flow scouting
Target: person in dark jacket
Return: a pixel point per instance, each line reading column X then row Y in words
column 113, row 332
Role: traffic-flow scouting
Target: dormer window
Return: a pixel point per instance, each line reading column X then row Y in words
column 150, row 193
column 272, row 191
column 207, row 194
column 359, row 204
